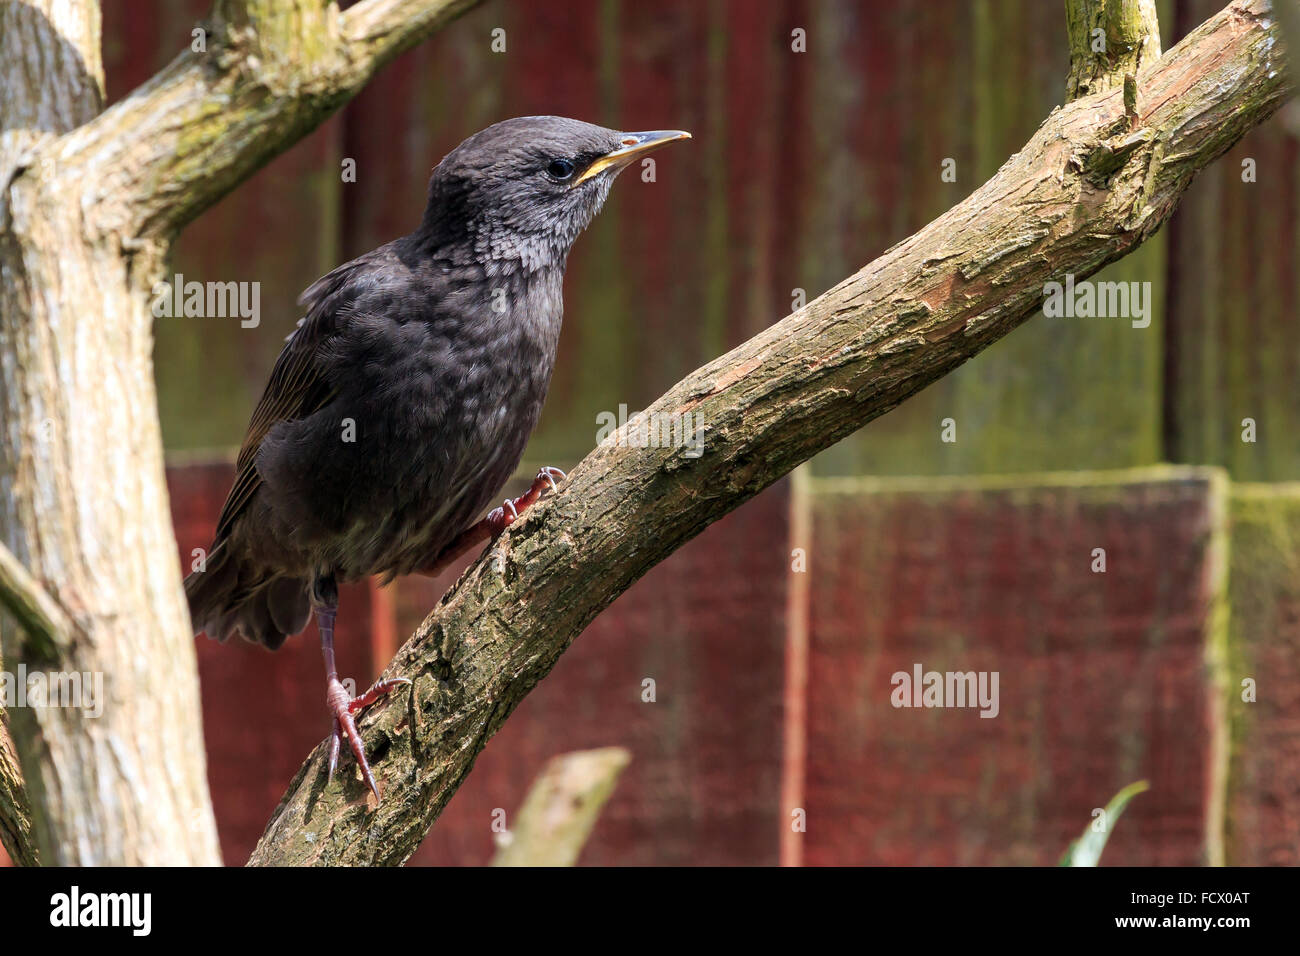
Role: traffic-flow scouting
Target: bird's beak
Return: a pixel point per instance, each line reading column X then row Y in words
column 632, row 145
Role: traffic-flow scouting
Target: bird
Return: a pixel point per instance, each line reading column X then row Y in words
column 401, row 402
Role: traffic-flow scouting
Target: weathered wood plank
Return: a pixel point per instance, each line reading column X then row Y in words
column 1263, row 677
column 1102, row 676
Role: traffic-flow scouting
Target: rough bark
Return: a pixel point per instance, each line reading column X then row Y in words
column 565, row 801
column 1132, row 40
column 89, row 204
column 15, row 814
column 1088, row 188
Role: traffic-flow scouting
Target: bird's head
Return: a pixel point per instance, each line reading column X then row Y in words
column 523, row 189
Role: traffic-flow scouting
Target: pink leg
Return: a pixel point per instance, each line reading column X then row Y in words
column 497, row 521
column 343, row 705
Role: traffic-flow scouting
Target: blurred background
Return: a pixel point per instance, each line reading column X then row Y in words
column 771, row 638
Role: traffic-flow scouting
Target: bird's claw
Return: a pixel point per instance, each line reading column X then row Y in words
column 335, row 739
column 377, row 690
column 342, row 705
column 548, row 473
column 510, row 510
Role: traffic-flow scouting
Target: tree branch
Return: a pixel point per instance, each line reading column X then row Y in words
column 15, row 812
column 1127, row 32
column 40, row 616
column 1088, row 188
column 565, row 801
column 267, row 74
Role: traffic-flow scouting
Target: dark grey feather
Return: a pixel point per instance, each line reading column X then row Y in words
column 434, row 354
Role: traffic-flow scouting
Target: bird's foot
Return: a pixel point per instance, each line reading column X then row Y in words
column 496, row 522
column 501, row 518
column 343, row 705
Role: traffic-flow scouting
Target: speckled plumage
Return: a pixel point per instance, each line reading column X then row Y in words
column 438, row 349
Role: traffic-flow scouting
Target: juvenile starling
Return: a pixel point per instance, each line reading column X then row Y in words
column 402, row 402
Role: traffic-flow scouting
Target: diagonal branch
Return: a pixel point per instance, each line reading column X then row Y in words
column 265, row 74
column 40, row 616
column 1089, row 187
column 15, row 812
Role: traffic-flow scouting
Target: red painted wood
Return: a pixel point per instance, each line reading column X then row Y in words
column 1102, row 682
column 1102, row 676
column 707, row 626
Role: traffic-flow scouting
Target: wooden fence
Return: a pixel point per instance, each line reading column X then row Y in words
column 772, row 641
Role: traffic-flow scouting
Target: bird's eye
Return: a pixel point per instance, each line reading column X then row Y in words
column 560, row 169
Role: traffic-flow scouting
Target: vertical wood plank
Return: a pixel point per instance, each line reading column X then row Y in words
column 1233, row 343
column 1102, row 676
column 1263, row 685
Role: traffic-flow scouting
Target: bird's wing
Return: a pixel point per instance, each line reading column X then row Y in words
column 296, row 389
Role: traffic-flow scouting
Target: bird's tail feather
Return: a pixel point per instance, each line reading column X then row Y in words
column 228, row 597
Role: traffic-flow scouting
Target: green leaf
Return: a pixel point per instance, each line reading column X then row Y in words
column 1086, row 850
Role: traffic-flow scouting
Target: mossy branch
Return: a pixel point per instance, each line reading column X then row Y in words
column 260, row 76
column 1109, row 39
